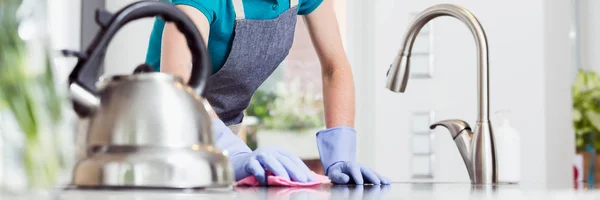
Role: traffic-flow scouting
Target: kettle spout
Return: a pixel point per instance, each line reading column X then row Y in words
column 461, row 134
column 84, row 101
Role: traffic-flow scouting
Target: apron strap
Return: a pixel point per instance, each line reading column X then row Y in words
column 293, row 3
column 238, row 7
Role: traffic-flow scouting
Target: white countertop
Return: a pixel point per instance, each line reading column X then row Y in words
column 395, row 191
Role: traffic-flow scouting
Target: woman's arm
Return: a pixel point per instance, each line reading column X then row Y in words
column 175, row 54
column 338, row 85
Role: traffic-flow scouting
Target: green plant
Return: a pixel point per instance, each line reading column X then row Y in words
column 289, row 108
column 258, row 108
column 586, row 109
column 29, row 94
column 259, row 105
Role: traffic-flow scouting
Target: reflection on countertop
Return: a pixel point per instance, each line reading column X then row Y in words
column 394, row 191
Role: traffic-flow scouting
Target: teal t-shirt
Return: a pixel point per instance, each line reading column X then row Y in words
column 221, row 17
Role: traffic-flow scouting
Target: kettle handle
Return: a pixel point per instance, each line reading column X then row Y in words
column 87, row 72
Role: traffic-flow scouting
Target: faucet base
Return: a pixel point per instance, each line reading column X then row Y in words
column 483, row 157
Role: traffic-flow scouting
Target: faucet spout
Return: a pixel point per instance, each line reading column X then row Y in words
column 462, row 136
column 399, row 72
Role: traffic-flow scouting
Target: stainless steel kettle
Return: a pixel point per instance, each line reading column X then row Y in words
column 146, row 129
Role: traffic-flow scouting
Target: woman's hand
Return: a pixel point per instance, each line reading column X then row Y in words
column 337, row 148
column 255, row 163
column 281, row 163
column 345, row 172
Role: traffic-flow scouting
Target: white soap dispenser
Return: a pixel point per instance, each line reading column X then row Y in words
column 508, row 149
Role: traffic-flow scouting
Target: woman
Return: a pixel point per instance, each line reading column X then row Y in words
column 247, row 40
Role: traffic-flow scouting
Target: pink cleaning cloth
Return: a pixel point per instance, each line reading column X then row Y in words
column 273, row 180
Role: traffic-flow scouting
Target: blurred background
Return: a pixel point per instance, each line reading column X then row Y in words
column 542, row 84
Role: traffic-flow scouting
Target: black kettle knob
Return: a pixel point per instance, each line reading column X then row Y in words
column 143, row 68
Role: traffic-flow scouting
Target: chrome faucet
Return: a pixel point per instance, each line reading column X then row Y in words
column 476, row 146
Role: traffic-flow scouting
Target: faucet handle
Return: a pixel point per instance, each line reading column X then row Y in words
column 455, row 126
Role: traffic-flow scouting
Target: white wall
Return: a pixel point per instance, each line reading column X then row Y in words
column 559, row 72
column 64, row 18
column 524, row 55
column 589, row 29
column 128, row 48
column 361, row 52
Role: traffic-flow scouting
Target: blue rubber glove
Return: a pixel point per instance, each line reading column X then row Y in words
column 337, row 148
column 246, row 162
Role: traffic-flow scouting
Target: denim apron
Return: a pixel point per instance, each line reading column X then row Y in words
column 258, row 47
